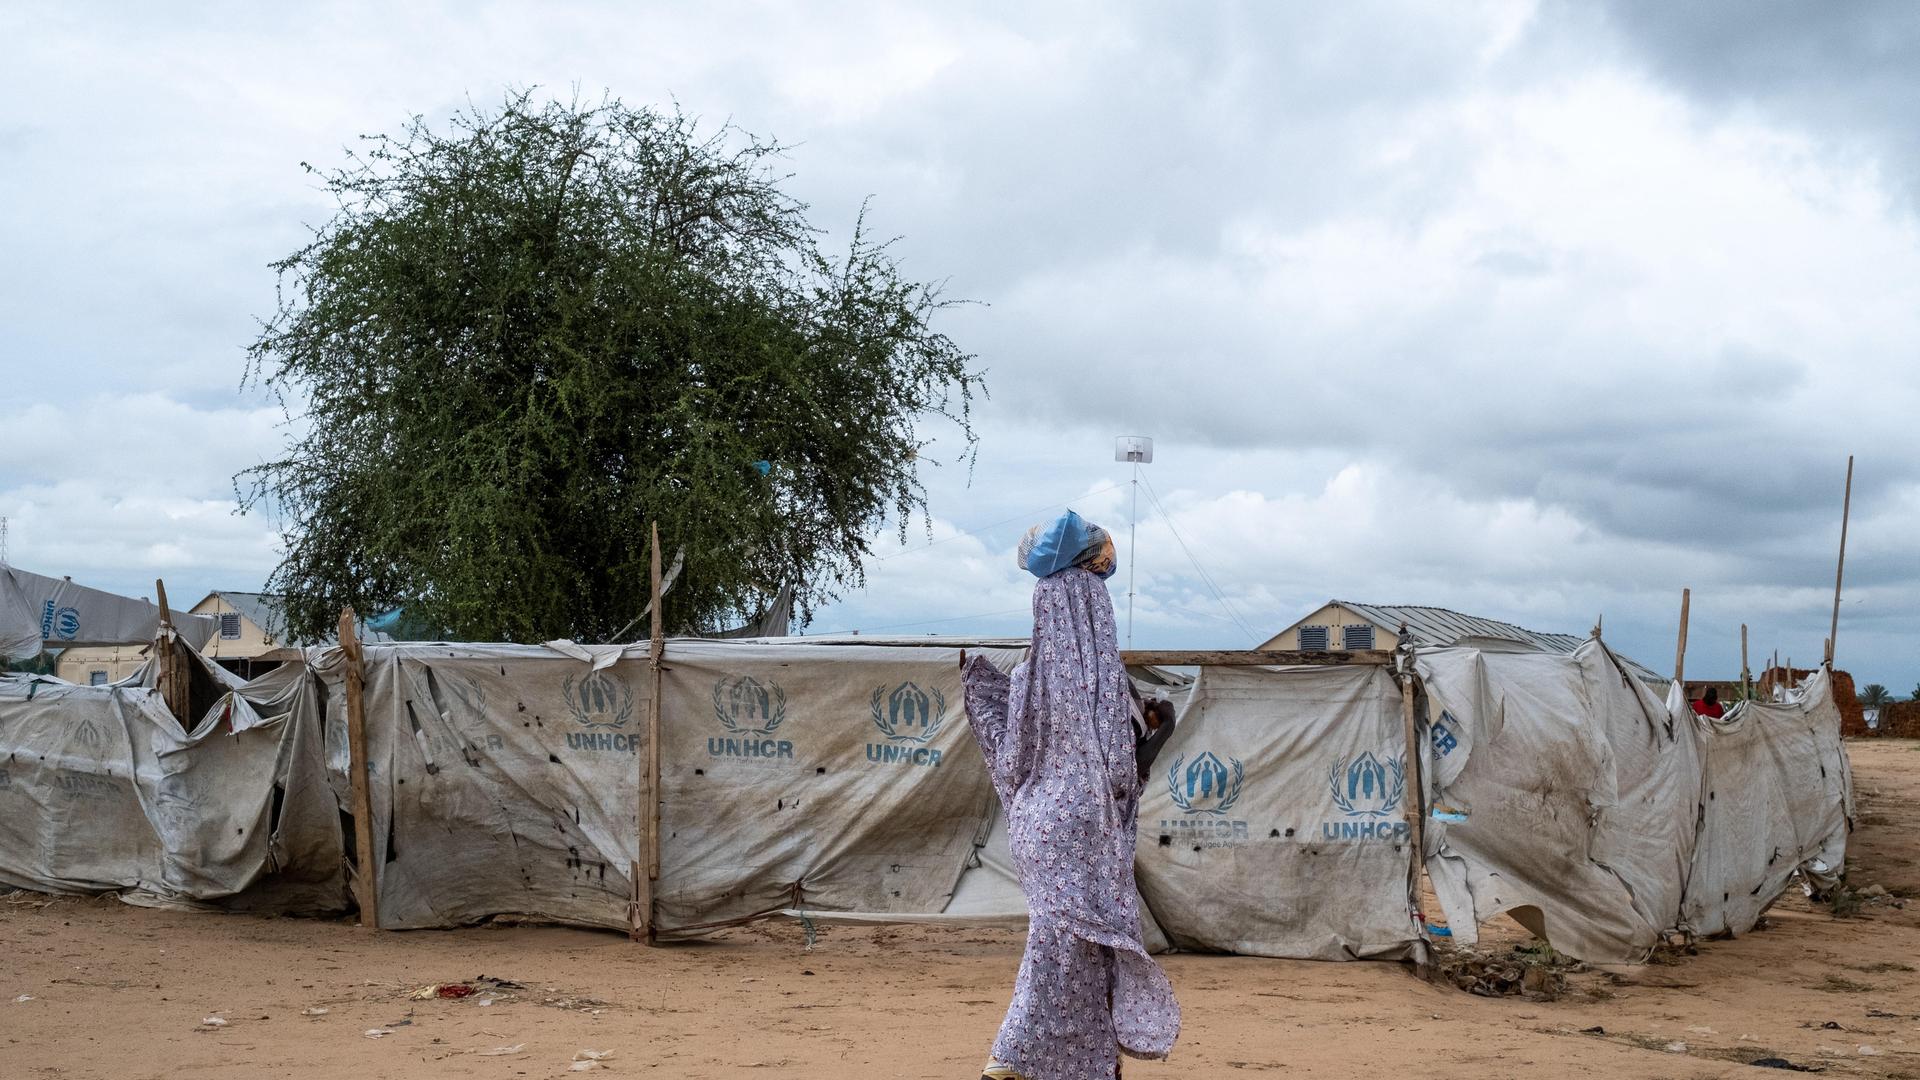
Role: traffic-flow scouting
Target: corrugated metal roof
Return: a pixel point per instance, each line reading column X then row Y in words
column 1440, row 627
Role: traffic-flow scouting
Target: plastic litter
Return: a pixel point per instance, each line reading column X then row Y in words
column 314, row 1011
column 213, row 1021
column 500, row 1051
column 377, row 1033
column 23, row 998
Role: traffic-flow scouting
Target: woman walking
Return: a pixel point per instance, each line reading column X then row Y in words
column 1063, row 738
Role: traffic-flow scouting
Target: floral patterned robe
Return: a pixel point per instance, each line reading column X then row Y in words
column 1058, row 738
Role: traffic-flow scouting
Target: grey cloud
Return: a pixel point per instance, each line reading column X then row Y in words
column 1104, row 180
column 1840, row 72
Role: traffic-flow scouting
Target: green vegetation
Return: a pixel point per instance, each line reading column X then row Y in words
column 522, row 339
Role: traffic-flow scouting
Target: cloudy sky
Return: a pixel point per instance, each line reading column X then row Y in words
column 1533, row 311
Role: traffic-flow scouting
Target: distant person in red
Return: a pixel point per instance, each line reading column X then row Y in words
column 1709, row 704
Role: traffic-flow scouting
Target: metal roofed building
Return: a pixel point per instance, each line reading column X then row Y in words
column 1345, row 624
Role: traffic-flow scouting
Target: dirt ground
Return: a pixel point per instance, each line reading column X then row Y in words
column 95, row 988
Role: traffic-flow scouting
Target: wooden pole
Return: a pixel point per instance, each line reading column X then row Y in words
column 366, row 862
column 1840, row 570
column 1680, row 650
column 163, row 646
column 1413, row 805
column 1746, row 681
column 646, row 869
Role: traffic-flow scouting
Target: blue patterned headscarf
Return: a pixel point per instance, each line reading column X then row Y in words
column 1068, row 540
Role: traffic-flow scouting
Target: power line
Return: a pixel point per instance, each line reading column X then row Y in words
column 1003, row 521
column 1212, row 585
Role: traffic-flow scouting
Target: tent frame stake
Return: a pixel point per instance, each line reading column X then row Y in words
column 1414, row 809
column 366, row 864
column 1840, row 569
column 643, row 920
column 1680, row 649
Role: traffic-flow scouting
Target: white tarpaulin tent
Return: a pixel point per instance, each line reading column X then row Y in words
column 101, row 789
column 39, row 612
column 1560, row 792
column 1564, row 793
column 1273, row 824
column 841, row 781
column 1776, row 797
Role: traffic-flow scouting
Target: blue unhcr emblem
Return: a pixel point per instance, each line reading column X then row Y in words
column 59, row 623
column 908, row 713
column 1366, row 787
column 1444, row 739
column 1206, row 785
column 746, row 706
column 602, row 699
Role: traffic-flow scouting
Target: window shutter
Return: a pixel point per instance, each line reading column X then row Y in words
column 1313, row 639
column 230, row 626
column 1357, row 637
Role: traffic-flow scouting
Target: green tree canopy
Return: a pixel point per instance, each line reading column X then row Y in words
column 1875, row 695
column 521, row 339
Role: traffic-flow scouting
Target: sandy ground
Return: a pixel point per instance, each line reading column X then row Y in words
column 118, row 991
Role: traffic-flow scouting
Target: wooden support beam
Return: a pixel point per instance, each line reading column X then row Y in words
column 366, row 861
column 1746, row 677
column 643, row 926
column 1840, row 570
column 174, row 681
column 1253, row 657
column 163, row 647
column 1680, row 649
column 1413, row 806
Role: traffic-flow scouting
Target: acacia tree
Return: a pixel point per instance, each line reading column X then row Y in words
column 520, row 340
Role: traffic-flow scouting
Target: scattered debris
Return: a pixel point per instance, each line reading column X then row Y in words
column 500, row 1051
column 213, row 1021
column 315, row 1010
column 1675, row 1047
column 589, row 1059
column 1867, row 1051
column 1535, row 970
column 1782, row 1063
column 24, row 998
column 453, row 990
column 377, row 1033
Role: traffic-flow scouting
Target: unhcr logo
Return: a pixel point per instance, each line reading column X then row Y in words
column 750, row 711
column 909, row 717
column 601, row 700
column 1205, row 788
column 602, row 703
column 1368, row 791
column 59, row 623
